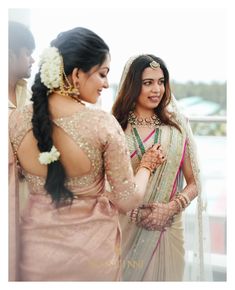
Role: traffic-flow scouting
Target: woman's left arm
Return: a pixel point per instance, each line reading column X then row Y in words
column 190, row 191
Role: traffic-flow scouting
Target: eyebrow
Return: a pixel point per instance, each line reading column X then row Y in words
column 151, row 79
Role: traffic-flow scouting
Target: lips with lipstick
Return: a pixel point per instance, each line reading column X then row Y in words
column 155, row 98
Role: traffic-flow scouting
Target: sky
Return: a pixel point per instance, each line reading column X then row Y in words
column 192, row 41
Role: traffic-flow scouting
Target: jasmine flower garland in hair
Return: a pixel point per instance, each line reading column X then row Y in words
column 49, row 157
column 50, row 67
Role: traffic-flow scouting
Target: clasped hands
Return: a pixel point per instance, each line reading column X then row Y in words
column 155, row 216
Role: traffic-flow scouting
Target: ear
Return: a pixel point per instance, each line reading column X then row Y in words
column 75, row 77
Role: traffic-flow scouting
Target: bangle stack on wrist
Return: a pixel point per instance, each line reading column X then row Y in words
column 145, row 166
column 181, row 201
column 133, row 215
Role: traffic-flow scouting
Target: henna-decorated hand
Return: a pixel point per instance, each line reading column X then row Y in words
column 153, row 157
column 155, row 216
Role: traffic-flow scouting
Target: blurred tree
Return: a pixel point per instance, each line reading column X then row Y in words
column 214, row 91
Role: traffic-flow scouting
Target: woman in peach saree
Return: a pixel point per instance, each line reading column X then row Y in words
column 69, row 228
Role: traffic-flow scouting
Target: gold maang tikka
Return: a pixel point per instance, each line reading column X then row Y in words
column 154, row 65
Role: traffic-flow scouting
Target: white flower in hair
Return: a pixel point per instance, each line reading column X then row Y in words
column 49, row 157
column 50, row 67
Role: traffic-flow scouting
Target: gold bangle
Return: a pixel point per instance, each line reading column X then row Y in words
column 144, row 166
column 182, row 201
column 186, row 197
column 134, row 215
column 179, row 203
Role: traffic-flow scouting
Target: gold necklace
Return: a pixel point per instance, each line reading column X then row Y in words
column 135, row 121
column 77, row 100
column 74, row 97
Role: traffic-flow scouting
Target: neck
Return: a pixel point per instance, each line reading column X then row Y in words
column 12, row 90
column 144, row 113
column 68, row 97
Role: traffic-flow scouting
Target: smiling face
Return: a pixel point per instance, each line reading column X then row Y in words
column 152, row 89
column 93, row 82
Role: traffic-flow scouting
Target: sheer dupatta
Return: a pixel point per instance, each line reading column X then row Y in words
column 200, row 269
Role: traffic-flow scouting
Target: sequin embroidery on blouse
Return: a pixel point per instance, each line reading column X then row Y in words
column 100, row 136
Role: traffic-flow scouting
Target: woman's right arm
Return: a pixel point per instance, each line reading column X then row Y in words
column 127, row 190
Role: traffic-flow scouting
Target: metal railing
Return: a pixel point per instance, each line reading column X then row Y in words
column 208, row 119
column 217, row 259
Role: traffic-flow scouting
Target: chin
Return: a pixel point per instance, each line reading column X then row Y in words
column 94, row 101
column 152, row 107
column 89, row 99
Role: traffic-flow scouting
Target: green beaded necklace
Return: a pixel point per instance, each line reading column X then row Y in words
column 139, row 142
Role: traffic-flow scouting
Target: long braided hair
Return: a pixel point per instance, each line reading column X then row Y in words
column 80, row 48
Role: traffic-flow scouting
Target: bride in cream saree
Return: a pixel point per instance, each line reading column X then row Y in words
column 158, row 254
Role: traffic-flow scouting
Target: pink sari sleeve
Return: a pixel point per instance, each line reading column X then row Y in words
column 13, row 191
column 117, row 163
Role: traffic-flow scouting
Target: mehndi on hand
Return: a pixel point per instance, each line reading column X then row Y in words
column 152, row 158
column 160, row 216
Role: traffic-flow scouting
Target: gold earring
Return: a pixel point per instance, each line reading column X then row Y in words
column 75, row 89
